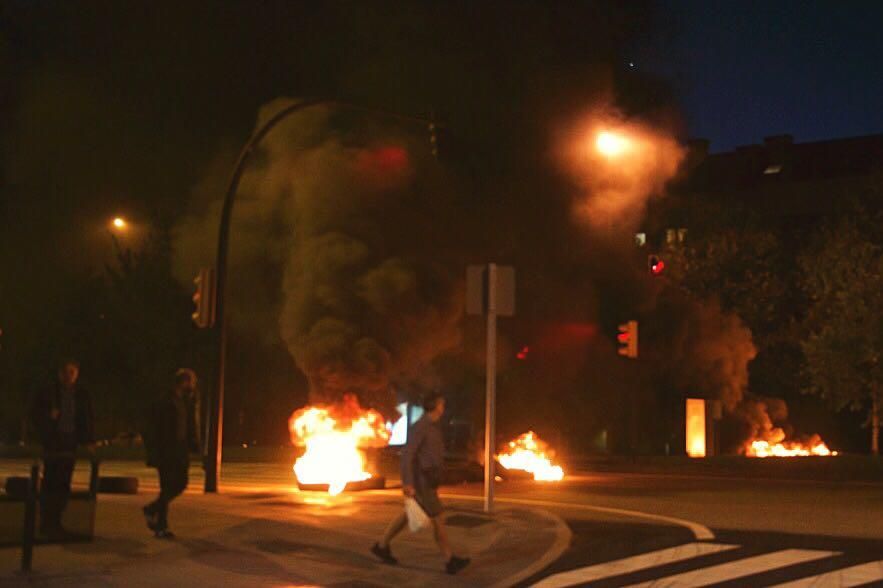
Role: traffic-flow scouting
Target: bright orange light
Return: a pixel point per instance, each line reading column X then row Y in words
column 696, row 427
column 530, row 454
column 332, row 436
column 119, row 223
column 611, row 144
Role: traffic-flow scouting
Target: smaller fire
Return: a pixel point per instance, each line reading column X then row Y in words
column 531, row 454
column 776, row 446
column 333, row 436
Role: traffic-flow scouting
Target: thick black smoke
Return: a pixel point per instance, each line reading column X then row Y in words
column 364, row 303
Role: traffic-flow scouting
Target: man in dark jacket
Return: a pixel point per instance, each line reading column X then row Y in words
column 172, row 435
column 62, row 416
column 422, row 464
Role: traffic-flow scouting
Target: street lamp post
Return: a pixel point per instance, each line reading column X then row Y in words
column 213, row 449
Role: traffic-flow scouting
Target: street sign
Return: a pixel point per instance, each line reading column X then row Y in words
column 477, row 290
column 490, row 290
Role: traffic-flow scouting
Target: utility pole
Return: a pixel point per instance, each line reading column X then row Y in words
column 490, row 414
column 490, row 290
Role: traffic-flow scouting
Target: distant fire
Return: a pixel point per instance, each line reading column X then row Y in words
column 530, row 454
column 776, row 446
column 333, row 436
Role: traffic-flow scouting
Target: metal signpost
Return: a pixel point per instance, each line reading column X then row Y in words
column 490, row 290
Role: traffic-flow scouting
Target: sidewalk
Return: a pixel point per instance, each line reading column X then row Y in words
column 289, row 538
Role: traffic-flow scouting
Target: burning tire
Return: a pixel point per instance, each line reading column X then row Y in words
column 373, row 483
column 513, row 474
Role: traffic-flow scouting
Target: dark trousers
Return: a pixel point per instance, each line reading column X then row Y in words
column 172, row 482
column 56, row 488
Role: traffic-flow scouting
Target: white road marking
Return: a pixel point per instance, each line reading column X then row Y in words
column 852, row 576
column 738, row 568
column 700, row 532
column 631, row 564
column 563, row 536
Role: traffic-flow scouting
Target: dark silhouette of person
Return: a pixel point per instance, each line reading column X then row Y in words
column 172, row 435
column 62, row 416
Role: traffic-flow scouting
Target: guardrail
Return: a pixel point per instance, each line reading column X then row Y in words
column 26, row 492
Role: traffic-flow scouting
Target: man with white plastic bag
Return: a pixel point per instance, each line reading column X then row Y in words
column 417, row 517
column 422, row 463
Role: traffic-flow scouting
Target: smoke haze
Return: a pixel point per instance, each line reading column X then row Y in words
column 324, row 244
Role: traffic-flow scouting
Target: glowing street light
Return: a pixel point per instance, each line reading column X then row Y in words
column 119, row 223
column 610, row 144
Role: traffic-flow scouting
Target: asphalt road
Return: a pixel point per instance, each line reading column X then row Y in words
column 659, row 530
column 656, row 530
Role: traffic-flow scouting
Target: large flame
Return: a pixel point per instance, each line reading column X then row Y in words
column 333, row 436
column 529, row 453
column 776, row 446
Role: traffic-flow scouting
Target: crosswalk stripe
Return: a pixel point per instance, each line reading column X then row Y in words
column 737, row 569
column 631, row 564
column 852, row 576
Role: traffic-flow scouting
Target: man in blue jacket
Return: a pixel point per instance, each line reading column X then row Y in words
column 422, row 463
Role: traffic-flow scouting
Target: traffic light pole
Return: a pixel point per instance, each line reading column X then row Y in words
column 214, row 443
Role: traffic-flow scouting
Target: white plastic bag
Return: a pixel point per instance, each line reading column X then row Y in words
column 417, row 517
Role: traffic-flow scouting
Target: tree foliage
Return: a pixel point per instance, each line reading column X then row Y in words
column 843, row 279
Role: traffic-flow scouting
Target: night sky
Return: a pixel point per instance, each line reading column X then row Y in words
column 749, row 69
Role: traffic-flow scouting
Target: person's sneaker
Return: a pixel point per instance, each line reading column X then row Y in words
column 151, row 518
column 164, row 534
column 455, row 564
column 385, row 555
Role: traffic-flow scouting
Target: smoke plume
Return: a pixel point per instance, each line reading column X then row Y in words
column 333, row 234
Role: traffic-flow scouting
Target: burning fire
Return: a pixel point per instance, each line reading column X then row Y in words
column 529, row 453
column 776, row 446
column 333, row 436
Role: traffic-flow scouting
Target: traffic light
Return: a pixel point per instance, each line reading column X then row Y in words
column 628, row 339
column 204, row 299
column 522, row 355
column 655, row 264
column 433, row 138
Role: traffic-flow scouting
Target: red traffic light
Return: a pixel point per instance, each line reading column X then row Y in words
column 628, row 339
column 523, row 353
column 656, row 265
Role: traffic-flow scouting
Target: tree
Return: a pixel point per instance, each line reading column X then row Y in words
column 842, row 275
column 750, row 269
column 145, row 332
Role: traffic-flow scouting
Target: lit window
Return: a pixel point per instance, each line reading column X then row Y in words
column 640, row 239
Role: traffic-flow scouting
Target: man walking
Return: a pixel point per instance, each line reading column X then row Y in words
column 63, row 418
column 422, row 463
column 172, row 435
